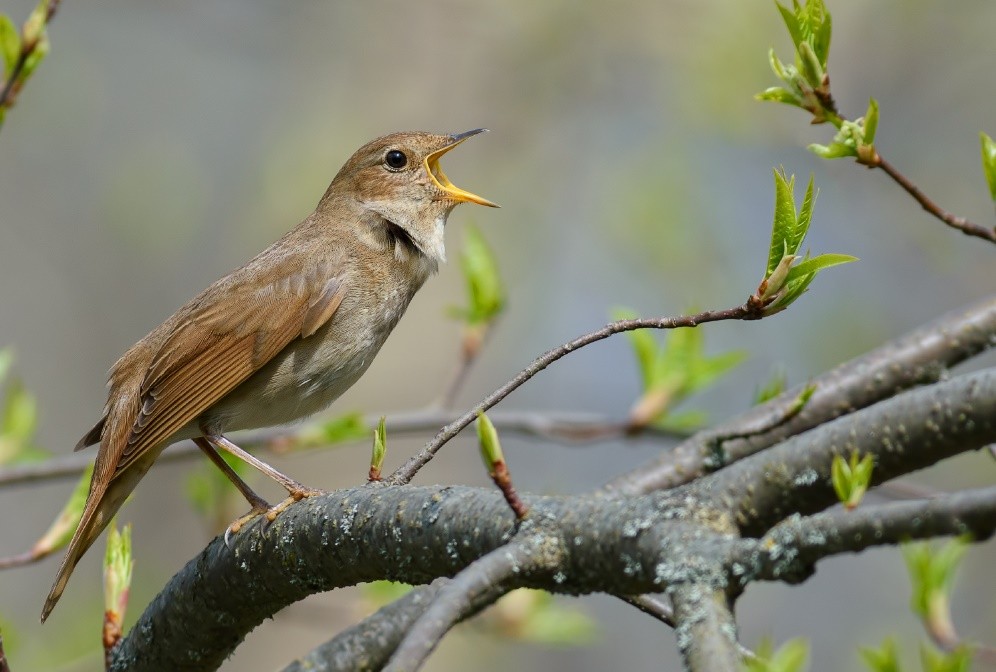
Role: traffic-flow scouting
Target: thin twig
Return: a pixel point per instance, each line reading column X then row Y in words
column 748, row 311
column 960, row 223
column 563, row 426
column 919, row 357
column 10, row 88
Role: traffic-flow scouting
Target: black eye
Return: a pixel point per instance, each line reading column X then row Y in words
column 396, row 159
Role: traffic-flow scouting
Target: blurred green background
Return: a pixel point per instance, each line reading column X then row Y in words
column 162, row 144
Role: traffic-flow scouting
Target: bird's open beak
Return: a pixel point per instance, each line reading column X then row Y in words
column 439, row 177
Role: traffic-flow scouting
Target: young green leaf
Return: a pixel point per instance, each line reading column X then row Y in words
column 490, row 446
column 851, row 479
column 10, row 45
column 774, row 386
column 62, row 528
column 932, row 571
column 118, row 566
column 644, row 346
column 790, row 657
column 485, row 293
column 812, row 265
column 989, row 163
column 871, row 122
column 535, row 616
column 885, row 659
column 784, row 221
column 379, row 450
column 342, row 429
column 958, row 660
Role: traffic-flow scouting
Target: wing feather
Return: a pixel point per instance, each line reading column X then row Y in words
column 214, row 349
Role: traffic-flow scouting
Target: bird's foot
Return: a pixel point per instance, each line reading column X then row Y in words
column 259, row 508
column 295, row 494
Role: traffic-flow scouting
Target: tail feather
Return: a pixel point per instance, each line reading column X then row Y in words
column 101, row 505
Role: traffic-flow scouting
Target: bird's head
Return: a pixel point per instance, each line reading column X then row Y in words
column 398, row 178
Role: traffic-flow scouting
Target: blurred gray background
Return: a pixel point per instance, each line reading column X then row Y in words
column 163, row 144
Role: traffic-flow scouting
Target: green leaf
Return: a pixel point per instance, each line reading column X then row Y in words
column 379, row 448
column 792, row 22
column 379, row 593
column 932, row 571
column 118, row 566
column 644, row 346
column 490, row 446
column 35, row 58
column 871, row 122
column 20, row 413
column 835, row 150
column 815, row 264
column 486, row 295
column 342, row 429
column 805, row 217
column 682, row 421
column 772, row 388
column 989, row 163
column 779, row 95
column 790, row 657
column 10, row 45
column 959, row 660
column 535, row 616
column 208, row 487
column 784, row 220
column 884, row 659
column 62, row 528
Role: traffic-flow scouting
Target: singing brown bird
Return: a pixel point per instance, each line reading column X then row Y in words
column 283, row 336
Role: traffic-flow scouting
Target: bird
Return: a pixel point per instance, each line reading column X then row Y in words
column 281, row 337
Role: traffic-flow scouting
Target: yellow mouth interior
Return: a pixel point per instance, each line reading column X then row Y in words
column 451, row 190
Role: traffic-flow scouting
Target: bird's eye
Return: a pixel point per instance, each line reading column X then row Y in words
column 395, row 159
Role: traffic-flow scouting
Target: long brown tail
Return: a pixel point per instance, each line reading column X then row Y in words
column 101, row 505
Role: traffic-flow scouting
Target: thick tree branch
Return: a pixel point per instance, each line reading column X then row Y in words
column 479, row 585
column 368, row 645
column 615, row 545
column 908, row 432
column 707, row 635
column 917, row 358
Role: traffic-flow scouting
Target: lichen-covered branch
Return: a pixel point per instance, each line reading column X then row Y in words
column 707, row 635
column 911, row 431
column 366, row 646
column 920, row 357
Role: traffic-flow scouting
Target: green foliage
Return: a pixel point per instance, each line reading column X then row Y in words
column 379, row 593
column 785, row 281
column 118, row 565
column 18, row 418
column 671, row 369
column 342, row 429
column 989, row 162
column 958, row 660
column 790, row 657
column 490, row 446
column 62, row 528
column 485, row 293
column 209, row 489
column 932, row 572
column 775, row 385
column 379, row 450
column 806, row 84
column 885, row 659
column 851, row 478
column 854, row 138
column 536, row 616
column 10, row 45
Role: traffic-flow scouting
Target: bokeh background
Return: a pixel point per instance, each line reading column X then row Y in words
column 163, row 144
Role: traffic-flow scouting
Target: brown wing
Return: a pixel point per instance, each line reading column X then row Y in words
column 213, row 348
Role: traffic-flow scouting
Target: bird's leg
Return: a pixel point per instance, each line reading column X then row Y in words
column 296, row 490
column 258, row 504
